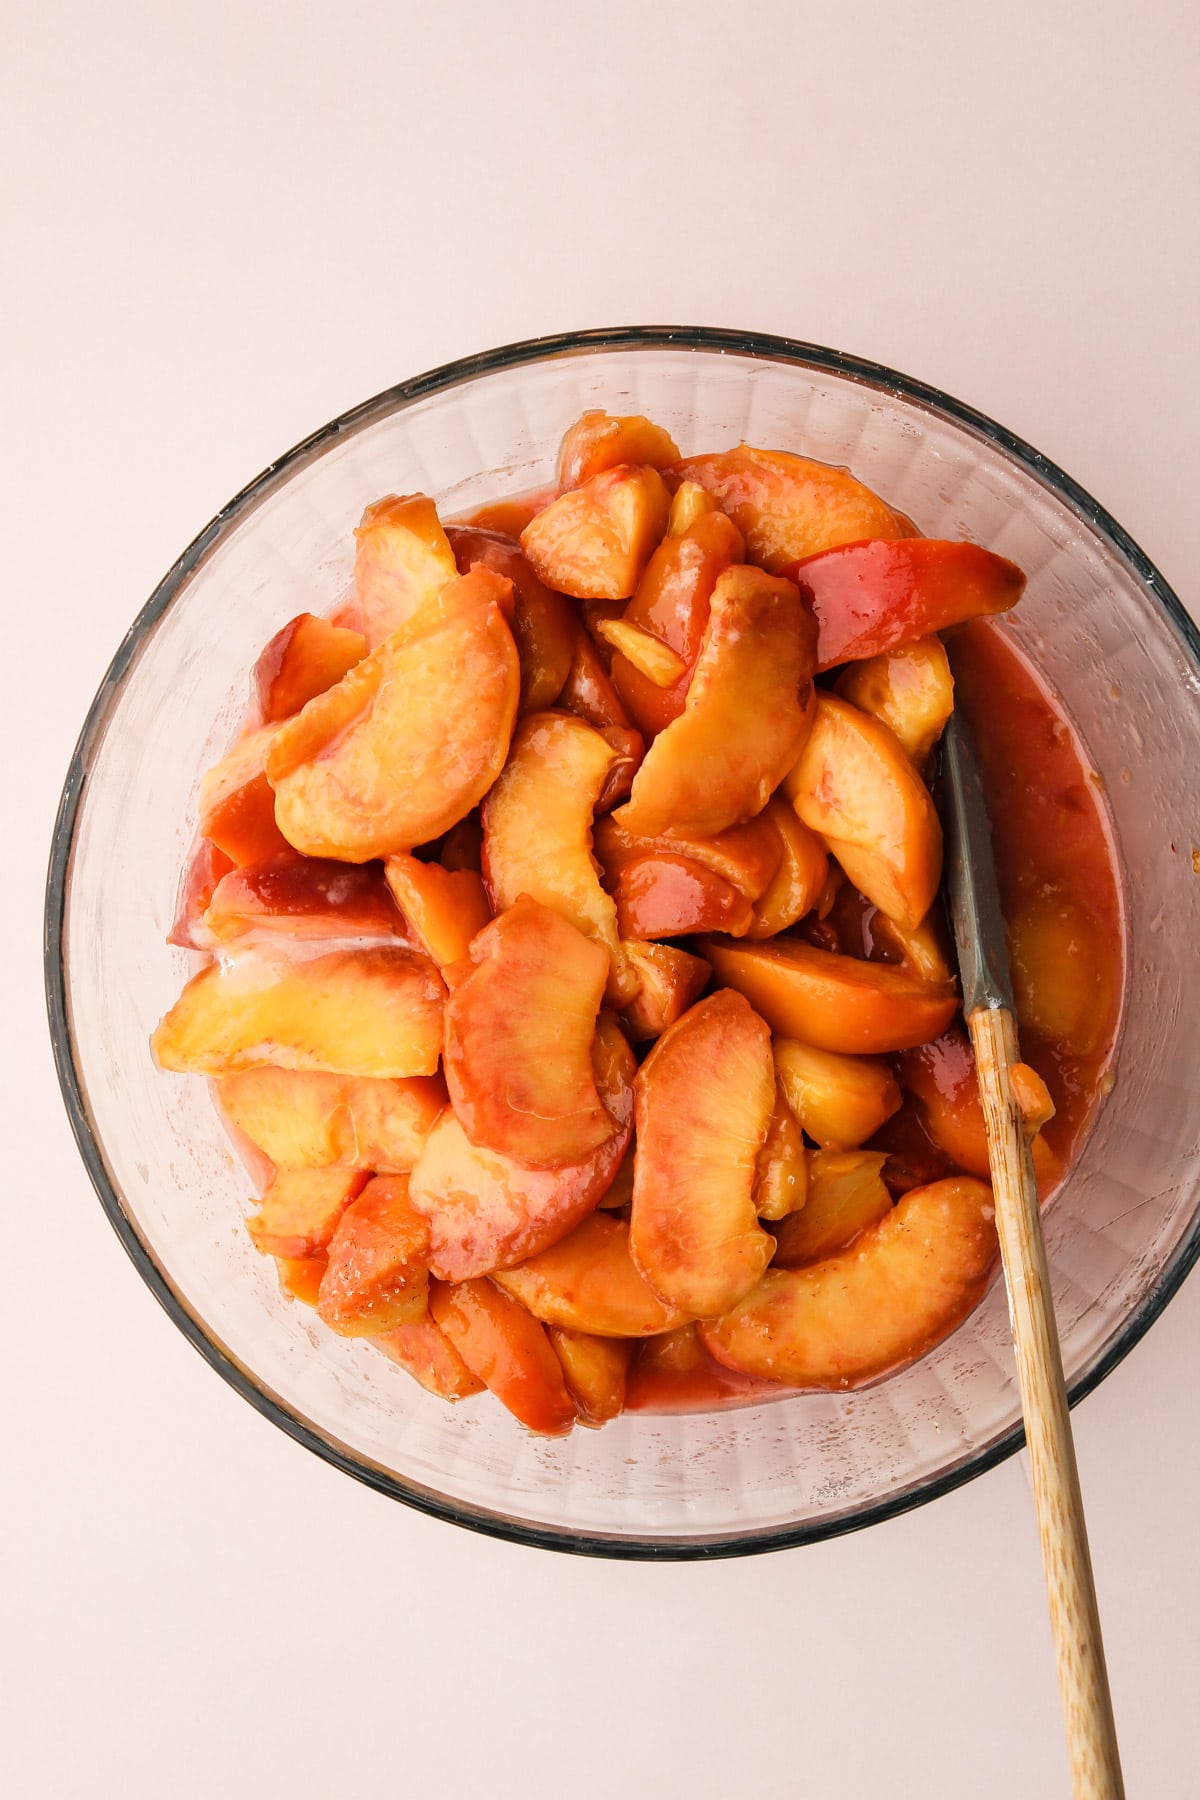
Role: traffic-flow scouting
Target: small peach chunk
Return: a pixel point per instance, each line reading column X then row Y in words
column 921, row 949
column 748, row 712
column 834, row 1002
column 595, row 1369
column 422, row 1349
column 237, row 805
column 689, row 502
column 839, row 1100
column 1031, row 1097
column 301, row 1208
column 855, row 786
column 788, row 506
column 378, row 1276
column 846, row 1193
column 670, row 896
column 412, row 737
column 506, row 1349
column 902, row 1286
column 704, row 1099
column 599, row 441
column 446, row 908
column 781, row 1174
column 402, row 561
column 355, row 1012
column 487, row 1211
column 303, row 897
column 542, row 622
column 301, row 661
column 518, row 1039
column 910, row 689
column 588, row 1281
column 746, row 856
column 300, row 1277
column 799, row 879
column 669, row 980
column 305, row 1121
column 649, row 655
column 595, row 541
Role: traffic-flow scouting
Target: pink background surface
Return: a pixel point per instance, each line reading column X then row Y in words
column 224, row 224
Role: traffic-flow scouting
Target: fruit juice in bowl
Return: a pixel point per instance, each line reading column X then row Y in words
column 581, row 974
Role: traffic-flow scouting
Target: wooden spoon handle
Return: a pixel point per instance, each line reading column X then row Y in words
column 1074, row 1616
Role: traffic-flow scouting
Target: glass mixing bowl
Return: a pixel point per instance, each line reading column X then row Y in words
column 1122, row 1232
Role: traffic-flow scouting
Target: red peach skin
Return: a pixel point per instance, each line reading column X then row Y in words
column 506, row 1349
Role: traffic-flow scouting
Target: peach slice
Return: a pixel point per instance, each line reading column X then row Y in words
column 537, row 830
column 1061, row 971
column 799, row 880
column 690, row 502
column 595, row 541
column 301, row 1208
column 599, row 441
column 871, row 597
column 300, row 1277
column 237, row 805
column 832, row 1002
column 856, row 787
column 413, row 736
column 377, row 1276
column 303, row 897
column 910, row 689
column 846, row 1193
column 669, row 981
column 648, row 655
column 205, row 869
column 787, row 506
column 506, row 1349
column 301, row 661
column 426, row 1353
column 746, row 856
column 446, row 908
column 941, row 1078
column 487, row 1211
column 402, row 561
column 670, row 896
column 595, row 1369
column 839, row 1100
column 748, row 712
column 589, row 1282
column 355, row 1012
column 588, row 692
column 704, row 1099
column 781, row 1175
column 904, row 1285
column 542, row 624
column 671, row 606
column 303, row 1121
column 923, row 949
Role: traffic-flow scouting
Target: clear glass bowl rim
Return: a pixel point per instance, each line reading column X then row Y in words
column 394, row 399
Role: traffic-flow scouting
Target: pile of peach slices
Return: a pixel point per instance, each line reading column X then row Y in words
column 512, row 898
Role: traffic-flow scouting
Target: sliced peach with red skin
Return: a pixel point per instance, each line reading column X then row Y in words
column 537, row 830
column 445, row 908
column 669, row 981
column 402, row 561
column 747, row 856
column 594, row 542
column 748, row 712
column 411, row 739
column 422, row 1349
column 588, row 692
column 487, row 1211
column 671, row 607
column 237, row 804
column 902, row 1286
column 303, row 659
column 781, row 1173
column 542, row 622
column 506, row 1349
column 670, row 896
column 846, row 1193
column 301, row 1208
column 788, row 506
column 305, row 1121
column 704, row 1099
column 300, row 1277
column 376, row 1011
column 871, row 597
column 378, row 1276
column 594, row 1369
column 304, row 897
column 941, row 1078
column 857, row 788
column 205, row 869
column 600, row 440
column 799, row 879
column 839, row 1100
column 833, row 1002
column 588, row 1281
column 910, row 689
